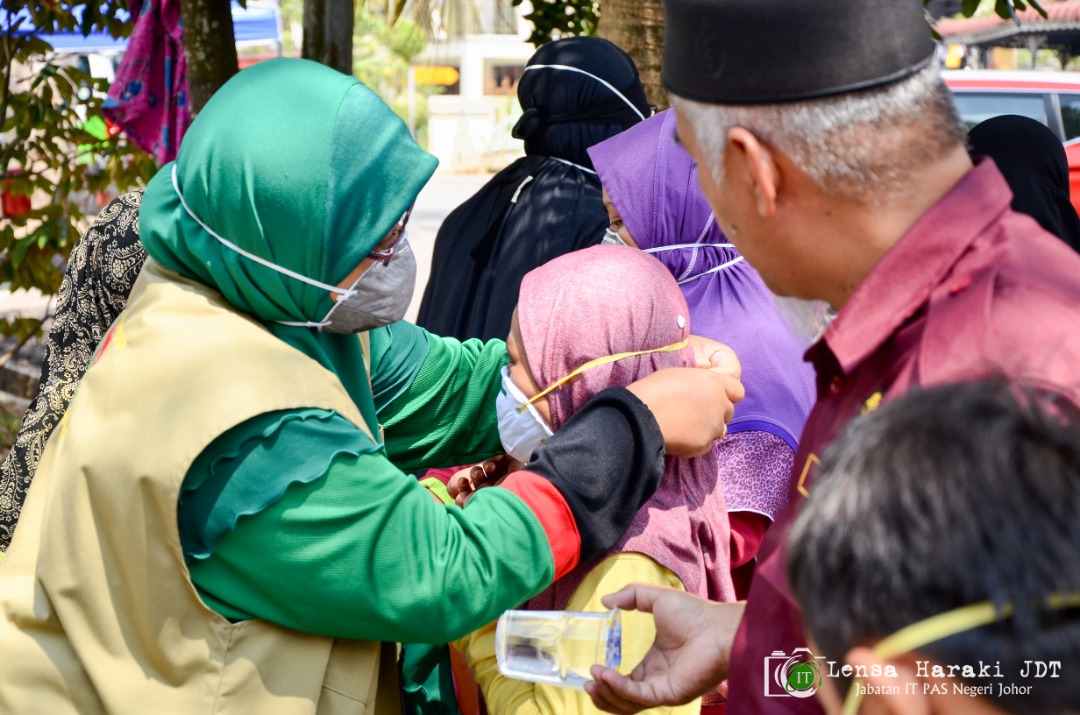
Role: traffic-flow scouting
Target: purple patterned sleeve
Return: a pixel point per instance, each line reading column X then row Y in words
column 755, row 467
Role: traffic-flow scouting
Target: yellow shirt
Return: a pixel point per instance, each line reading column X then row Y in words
column 506, row 696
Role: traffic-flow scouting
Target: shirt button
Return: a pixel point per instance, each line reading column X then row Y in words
column 836, row 385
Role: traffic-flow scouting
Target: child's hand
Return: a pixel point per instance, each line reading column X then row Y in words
column 488, row 473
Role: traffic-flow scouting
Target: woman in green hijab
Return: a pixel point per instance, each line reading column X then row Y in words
column 221, row 522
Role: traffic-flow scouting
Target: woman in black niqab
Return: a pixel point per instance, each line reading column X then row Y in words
column 575, row 92
column 1033, row 162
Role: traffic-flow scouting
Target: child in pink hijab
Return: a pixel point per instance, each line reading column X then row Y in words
column 607, row 316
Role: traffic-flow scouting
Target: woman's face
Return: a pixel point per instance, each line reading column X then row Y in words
column 518, row 367
column 388, row 241
column 616, row 222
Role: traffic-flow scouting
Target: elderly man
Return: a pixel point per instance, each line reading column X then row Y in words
column 835, row 161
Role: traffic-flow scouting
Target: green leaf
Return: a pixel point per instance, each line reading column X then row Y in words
column 968, row 7
column 18, row 252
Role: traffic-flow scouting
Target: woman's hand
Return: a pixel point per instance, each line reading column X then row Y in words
column 715, row 356
column 692, row 406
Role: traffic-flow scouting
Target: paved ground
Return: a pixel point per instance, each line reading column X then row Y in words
column 438, row 198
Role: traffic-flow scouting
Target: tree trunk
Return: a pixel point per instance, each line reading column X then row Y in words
column 637, row 26
column 328, row 33
column 210, row 48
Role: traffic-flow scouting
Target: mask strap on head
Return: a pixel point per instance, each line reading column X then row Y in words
column 717, row 269
column 682, row 278
column 570, row 163
column 942, row 626
column 604, row 82
column 261, row 261
column 701, row 237
column 603, row 361
column 680, row 246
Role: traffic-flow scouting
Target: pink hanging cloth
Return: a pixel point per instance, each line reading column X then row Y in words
column 149, row 98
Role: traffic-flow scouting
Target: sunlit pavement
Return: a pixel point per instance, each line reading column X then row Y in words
column 441, row 196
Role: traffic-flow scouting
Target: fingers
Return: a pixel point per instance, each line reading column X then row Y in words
column 635, row 597
column 615, row 693
column 724, row 361
column 735, row 389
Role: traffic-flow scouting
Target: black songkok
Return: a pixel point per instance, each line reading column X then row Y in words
column 767, row 51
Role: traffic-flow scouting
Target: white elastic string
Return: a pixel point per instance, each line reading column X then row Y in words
column 521, row 186
column 721, row 267
column 708, row 225
column 262, row 261
column 570, row 163
column 607, row 84
column 307, row 324
column 694, row 256
column 676, row 246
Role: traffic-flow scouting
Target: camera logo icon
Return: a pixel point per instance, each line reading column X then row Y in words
column 794, row 675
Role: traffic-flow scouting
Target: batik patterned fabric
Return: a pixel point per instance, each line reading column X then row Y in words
column 149, row 98
column 100, row 272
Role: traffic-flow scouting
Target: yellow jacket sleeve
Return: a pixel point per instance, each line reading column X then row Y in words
column 506, row 696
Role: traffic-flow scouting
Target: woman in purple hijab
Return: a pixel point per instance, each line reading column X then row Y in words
column 652, row 196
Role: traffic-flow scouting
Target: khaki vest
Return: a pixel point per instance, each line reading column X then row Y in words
column 97, row 611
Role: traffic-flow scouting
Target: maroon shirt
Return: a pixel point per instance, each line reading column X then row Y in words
column 971, row 290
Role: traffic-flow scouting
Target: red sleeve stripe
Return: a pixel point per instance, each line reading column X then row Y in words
column 554, row 514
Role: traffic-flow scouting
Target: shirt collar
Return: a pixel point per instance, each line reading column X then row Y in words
column 903, row 279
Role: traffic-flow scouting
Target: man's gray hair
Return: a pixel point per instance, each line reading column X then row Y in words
column 861, row 145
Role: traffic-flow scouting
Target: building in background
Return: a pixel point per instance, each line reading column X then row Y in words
column 480, row 44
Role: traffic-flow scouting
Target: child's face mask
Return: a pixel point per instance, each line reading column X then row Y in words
column 521, row 427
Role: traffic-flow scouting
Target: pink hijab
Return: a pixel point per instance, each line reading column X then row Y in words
column 612, row 299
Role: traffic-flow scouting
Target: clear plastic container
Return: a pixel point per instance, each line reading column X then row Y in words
column 557, row 647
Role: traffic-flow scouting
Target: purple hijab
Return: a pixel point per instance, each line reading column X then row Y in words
column 602, row 301
column 653, row 183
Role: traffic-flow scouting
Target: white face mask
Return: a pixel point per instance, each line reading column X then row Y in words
column 376, row 298
column 521, row 428
column 380, row 296
column 612, row 238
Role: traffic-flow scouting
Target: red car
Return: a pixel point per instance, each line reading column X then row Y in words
column 1052, row 98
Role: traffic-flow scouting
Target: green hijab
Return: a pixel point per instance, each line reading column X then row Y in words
column 304, row 167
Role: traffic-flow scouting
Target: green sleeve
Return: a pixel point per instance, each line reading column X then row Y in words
column 367, row 553
column 252, row 464
column 435, row 396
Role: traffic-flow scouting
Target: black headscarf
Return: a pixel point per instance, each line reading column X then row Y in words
column 539, row 207
column 567, row 111
column 1033, row 162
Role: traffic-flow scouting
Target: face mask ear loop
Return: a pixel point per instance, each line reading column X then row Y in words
column 942, row 626
column 246, row 254
column 719, row 268
column 604, row 82
column 694, row 255
column 603, row 361
column 679, row 246
column 308, row 324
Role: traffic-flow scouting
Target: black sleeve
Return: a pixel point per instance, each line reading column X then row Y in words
column 607, row 461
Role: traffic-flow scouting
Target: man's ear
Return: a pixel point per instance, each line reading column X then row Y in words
column 895, row 690
column 760, row 165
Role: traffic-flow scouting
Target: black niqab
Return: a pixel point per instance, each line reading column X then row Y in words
column 567, row 111
column 1033, row 162
column 539, row 207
